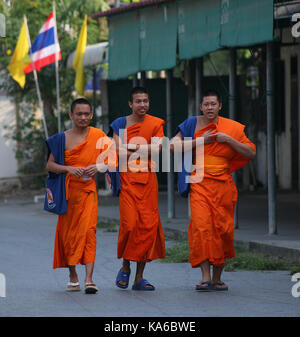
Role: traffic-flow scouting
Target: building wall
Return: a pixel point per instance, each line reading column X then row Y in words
column 284, row 140
column 8, row 162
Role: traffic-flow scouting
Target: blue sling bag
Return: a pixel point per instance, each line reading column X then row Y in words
column 55, row 198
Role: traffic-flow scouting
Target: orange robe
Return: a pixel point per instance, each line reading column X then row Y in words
column 75, row 238
column 141, row 236
column 212, row 201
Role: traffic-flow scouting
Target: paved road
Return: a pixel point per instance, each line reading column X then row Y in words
column 34, row 289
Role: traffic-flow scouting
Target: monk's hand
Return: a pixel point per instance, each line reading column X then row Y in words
column 222, row 137
column 209, row 137
column 75, row 171
column 133, row 147
column 91, row 170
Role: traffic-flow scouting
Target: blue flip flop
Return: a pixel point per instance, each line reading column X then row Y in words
column 219, row 288
column 204, row 286
column 143, row 285
column 122, row 276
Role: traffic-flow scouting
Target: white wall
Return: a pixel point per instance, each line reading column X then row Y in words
column 8, row 162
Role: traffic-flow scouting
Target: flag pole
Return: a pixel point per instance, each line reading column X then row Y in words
column 56, row 73
column 36, row 80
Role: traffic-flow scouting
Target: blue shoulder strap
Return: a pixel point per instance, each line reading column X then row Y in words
column 115, row 126
column 56, row 146
column 186, row 129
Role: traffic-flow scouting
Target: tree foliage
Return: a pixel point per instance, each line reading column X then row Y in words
column 70, row 15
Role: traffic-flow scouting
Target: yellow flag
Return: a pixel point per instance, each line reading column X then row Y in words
column 20, row 58
column 78, row 61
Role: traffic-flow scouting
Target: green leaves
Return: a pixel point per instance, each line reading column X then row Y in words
column 70, row 14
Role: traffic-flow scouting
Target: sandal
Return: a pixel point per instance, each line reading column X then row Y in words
column 90, row 288
column 122, row 276
column 215, row 288
column 204, row 286
column 143, row 285
column 73, row 286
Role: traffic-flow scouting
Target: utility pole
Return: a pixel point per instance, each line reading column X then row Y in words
column 171, row 199
column 272, row 203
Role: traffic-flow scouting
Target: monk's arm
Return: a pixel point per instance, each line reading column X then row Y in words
column 153, row 148
column 129, row 149
column 243, row 149
column 52, row 166
column 123, row 150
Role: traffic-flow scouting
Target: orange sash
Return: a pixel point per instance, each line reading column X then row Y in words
column 216, row 166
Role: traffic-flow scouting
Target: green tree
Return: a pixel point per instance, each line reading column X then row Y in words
column 70, row 15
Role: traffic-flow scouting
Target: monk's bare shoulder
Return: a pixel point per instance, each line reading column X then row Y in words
column 69, row 139
column 68, row 132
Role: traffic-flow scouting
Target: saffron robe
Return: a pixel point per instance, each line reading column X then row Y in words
column 141, row 236
column 75, row 238
column 212, row 201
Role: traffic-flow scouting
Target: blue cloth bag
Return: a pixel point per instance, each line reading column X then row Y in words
column 55, row 198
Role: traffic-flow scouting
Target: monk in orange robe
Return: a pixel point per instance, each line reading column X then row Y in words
column 141, row 236
column 75, row 239
column 212, row 200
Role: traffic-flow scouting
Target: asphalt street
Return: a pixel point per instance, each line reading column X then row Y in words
column 33, row 289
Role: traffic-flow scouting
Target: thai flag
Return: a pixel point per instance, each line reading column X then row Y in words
column 45, row 49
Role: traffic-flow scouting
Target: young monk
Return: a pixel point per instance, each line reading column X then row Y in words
column 75, row 239
column 141, row 236
column 212, row 200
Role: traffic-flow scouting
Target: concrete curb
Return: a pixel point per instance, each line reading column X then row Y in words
column 289, row 254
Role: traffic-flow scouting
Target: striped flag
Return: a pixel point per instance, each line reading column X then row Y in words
column 45, row 49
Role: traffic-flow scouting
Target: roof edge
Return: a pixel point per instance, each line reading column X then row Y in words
column 129, row 7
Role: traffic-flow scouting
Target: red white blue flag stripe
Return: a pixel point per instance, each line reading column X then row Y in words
column 45, row 49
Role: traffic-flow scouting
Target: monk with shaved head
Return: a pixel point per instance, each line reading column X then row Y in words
column 213, row 197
